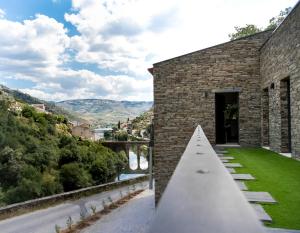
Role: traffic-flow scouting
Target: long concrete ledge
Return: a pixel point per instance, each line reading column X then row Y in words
column 202, row 197
column 58, row 198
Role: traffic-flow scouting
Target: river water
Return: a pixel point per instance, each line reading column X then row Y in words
column 133, row 163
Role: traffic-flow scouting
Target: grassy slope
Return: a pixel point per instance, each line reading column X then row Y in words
column 278, row 175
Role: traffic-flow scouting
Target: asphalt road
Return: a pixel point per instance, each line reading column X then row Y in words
column 44, row 221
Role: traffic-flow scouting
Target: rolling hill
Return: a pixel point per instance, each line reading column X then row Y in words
column 104, row 112
column 50, row 106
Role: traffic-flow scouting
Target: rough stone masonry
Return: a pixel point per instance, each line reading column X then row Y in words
column 261, row 68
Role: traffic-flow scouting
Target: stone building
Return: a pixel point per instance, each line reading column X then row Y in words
column 83, row 131
column 245, row 91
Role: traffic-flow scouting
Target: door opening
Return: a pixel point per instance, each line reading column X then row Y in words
column 227, row 117
column 285, row 105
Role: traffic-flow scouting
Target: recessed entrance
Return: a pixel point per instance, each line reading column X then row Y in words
column 285, row 111
column 227, row 117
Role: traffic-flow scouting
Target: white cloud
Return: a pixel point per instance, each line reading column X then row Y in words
column 86, row 84
column 33, row 46
column 37, row 50
column 112, row 33
column 2, row 13
column 120, row 37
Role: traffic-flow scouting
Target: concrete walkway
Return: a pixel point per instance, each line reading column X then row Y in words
column 133, row 217
column 44, row 221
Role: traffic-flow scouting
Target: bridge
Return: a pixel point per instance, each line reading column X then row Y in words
column 126, row 146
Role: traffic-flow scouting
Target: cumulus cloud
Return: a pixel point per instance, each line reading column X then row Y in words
column 38, row 50
column 2, row 13
column 112, row 33
column 122, row 38
column 86, row 84
column 33, row 46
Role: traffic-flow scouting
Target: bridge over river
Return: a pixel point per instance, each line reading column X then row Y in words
column 137, row 154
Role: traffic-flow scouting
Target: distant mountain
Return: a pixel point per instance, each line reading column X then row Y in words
column 50, row 106
column 104, row 112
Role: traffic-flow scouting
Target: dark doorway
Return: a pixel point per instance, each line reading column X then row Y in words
column 285, row 105
column 227, row 117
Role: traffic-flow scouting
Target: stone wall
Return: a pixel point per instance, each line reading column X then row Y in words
column 184, row 96
column 280, row 59
column 265, row 118
column 45, row 202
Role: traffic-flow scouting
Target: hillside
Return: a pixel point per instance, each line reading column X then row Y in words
column 105, row 112
column 39, row 157
column 50, row 106
column 143, row 121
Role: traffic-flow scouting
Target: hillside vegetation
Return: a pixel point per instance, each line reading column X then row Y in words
column 105, row 112
column 38, row 156
column 28, row 99
column 142, row 123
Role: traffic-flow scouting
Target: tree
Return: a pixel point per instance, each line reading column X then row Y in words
column 10, row 167
column 74, row 176
column 99, row 171
column 107, row 135
column 51, row 184
column 28, row 112
column 275, row 21
column 119, row 125
column 249, row 29
column 29, row 186
column 121, row 135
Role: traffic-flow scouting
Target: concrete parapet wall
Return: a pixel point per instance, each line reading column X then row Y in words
column 27, row 206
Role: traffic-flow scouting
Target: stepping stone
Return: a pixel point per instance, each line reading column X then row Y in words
column 224, row 160
column 242, row 177
column 232, row 165
column 279, row 230
column 261, row 213
column 231, row 170
column 264, row 197
column 221, row 152
column 227, row 157
column 241, row 185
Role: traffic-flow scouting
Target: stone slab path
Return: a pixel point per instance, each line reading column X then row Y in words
column 231, row 170
column 221, row 152
column 224, row 160
column 241, row 185
column 261, row 213
column 263, row 197
column 232, row 165
column 242, row 177
column 227, row 157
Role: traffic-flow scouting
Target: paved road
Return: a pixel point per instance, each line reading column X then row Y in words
column 133, row 217
column 44, row 221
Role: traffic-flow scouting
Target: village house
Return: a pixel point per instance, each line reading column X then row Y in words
column 39, row 107
column 84, row 131
column 244, row 92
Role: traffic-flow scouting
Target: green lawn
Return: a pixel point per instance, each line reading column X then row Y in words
column 278, row 175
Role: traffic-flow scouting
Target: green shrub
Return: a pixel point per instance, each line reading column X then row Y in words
column 74, row 176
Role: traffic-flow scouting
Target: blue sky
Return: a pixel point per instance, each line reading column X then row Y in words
column 68, row 49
